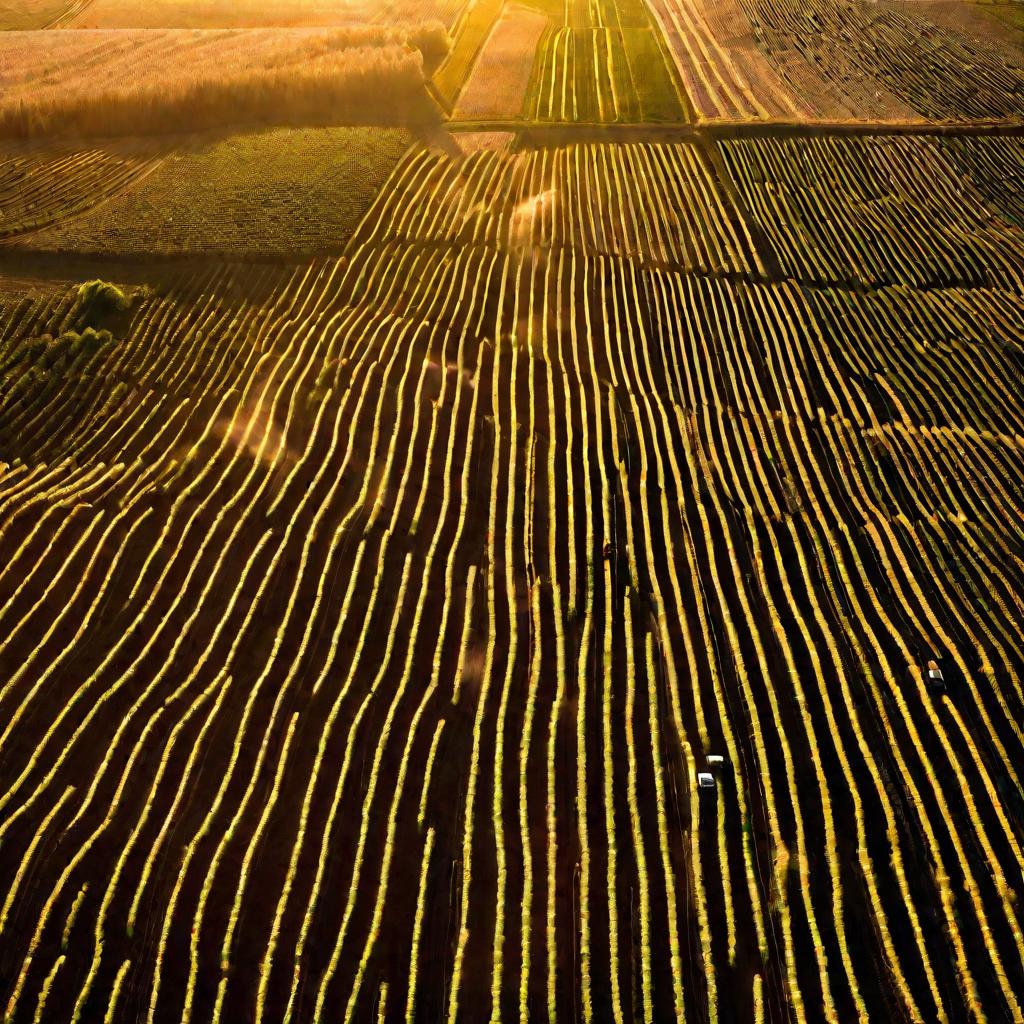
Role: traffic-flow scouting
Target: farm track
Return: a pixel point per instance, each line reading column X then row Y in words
column 364, row 623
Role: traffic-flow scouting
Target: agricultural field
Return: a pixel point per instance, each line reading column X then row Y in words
column 144, row 82
column 510, row 511
column 303, row 191
column 476, row 142
column 207, row 14
column 652, row 204
column 887, row 62
column 883, row 210
column 995, row 168
column 41, row 185
column 501, row 76
column 591, row 63
column 986, row 20
column 724, row 74
column 214, row 14
column 835, row 61
column 476, row 22
column 679, row 482
column 33, row 14
column 405, row 12
column 604, row 63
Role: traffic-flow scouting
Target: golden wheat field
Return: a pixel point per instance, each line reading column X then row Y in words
column 511, row 511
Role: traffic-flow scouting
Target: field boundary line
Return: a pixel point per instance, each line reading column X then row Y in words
column 608, row 132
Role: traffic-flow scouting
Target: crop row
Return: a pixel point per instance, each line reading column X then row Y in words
column 875, row 210
column 652, row 203
column 890, row 64
column 602, row 75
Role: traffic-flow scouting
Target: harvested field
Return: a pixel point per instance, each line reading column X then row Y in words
column 206, row 14
column 21, row 15
column 126, row 82
column 305, row 191
column 411, row 12
column 498, row 82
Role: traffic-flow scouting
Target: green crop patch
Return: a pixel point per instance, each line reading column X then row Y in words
column 287, row 191
column 603, row 75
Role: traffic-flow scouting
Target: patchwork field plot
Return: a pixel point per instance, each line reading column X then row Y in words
column 498, row 82
column 722, row 71
column 303, row 192
column 41, row 185
column 878, row 210
column 594, row 63
column 102, row 83
column 474, row 26
column 603, row 64
column 400, row 599
column 885, row 62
